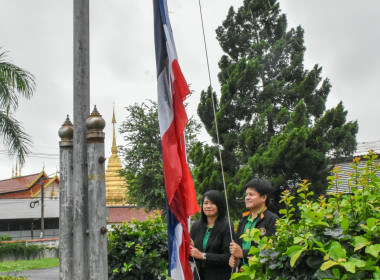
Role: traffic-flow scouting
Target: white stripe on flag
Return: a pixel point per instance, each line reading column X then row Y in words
column 177, row 272
column 165, row 103
column 170, row 46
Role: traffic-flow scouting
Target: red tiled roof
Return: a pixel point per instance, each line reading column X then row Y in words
column 126, row 213
column 17, row 184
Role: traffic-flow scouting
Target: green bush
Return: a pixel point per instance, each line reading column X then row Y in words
column 138, row 250
column 336, row 237
column 7, row 277
column 5, row 237
column 20, row 250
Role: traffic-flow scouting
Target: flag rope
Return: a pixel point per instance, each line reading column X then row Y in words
column 216, row 123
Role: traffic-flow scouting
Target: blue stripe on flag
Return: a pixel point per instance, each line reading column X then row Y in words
column 172, row 223
column 159, row 36
column 163, row 6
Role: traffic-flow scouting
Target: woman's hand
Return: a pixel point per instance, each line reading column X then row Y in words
column 233, row 262
column 235, row 250
column 195, row 253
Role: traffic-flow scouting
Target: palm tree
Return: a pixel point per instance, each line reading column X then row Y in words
column 14, row 82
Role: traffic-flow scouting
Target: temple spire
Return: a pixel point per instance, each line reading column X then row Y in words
column 114, row 148
column 116, row 186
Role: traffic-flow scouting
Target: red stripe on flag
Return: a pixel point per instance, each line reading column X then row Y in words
column 180, row 83
column 178, row 181
column 176, row 169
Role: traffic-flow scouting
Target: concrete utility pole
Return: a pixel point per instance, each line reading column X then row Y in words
column 66, row 198
column 42, row 209
column 96, row 197
column 81, row 113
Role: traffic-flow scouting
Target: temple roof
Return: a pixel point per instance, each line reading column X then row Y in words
column 119, row 214
column 18, row 183
column 25, row 183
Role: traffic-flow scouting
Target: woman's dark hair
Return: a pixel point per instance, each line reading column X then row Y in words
column 262, row 186
column 217, row 198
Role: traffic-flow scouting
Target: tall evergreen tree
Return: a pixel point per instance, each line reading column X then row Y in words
column 271, row 114
column 14, row 82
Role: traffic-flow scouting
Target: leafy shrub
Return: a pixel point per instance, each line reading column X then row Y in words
column 7, row 277
column 5, row 237
column 20, row 250
column 336, row 237
column 138, row 250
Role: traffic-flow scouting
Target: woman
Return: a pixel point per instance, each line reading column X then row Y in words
column 210, row 239
column 257, row 193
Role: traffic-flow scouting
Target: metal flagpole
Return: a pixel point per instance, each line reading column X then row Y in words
column 216, row 125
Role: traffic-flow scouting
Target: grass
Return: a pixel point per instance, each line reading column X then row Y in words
column 7, row 277
column 18, row 266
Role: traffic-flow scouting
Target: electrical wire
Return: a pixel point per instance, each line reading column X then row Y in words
column 36, row 155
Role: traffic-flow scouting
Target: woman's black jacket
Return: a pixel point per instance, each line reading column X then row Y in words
column 215, row 267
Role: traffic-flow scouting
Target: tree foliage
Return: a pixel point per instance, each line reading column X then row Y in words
column 14, row 82
column 271, row 114
column 336, row 237
column 143, row 154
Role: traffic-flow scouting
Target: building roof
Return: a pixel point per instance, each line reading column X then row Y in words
column 362, row 148
column 119, row 214
column 23, row 184
column 18, row 183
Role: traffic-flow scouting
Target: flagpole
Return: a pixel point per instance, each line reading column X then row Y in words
column 216, row 124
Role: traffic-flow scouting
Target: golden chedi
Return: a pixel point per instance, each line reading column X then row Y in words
column 116, row 186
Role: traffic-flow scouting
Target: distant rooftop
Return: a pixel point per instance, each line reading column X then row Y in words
column 18, row 183
column 363, row 147
column 118, row 214
column 361, row 150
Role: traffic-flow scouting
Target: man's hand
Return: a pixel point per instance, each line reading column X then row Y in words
column 235, row 250
column 233, row 262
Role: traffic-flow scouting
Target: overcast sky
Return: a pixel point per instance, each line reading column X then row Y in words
column 342, row 36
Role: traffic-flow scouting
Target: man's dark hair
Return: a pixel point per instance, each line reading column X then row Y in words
column 262, row 186
column 217, row 198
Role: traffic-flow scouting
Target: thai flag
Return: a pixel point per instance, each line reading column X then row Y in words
column 180, row 192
